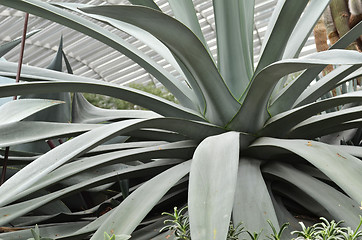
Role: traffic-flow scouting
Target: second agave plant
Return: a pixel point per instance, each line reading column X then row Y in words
column 240, row 145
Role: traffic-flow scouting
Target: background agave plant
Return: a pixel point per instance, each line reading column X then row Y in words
column 239, row 146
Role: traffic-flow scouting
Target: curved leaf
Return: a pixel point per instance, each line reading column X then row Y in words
column 185, row 12
column 253, row 204
column 234, row 33
column 279, row 124
column 340, row 167
column 316, row 123
column 213, row 171
column 173, row 84
column 23, row 132
column 279, row 32
column 146, row 3
column 324, row 85
column 83, row 143
column 10, row 212
column 138, row 97
column 58, row 230
column 304, row 27
column 183, row 150
column 6, row 47
column 353, row 150
column 287, row 96
column 91, row 29
column 336, row 203
column 331, row 128
column 254, row 112
column 18, row 110
column 119, row 221
column 178, row 38
column 85, row 112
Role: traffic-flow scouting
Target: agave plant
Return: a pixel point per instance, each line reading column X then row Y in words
column 241, row 145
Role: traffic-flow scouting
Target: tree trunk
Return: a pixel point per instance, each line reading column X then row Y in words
column 320, row 38
column 355, row 8
column 329, row 24
column 340, row 16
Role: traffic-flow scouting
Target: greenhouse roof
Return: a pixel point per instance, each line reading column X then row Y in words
column 91, row 58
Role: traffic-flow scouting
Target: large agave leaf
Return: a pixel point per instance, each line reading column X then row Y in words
column 254, row 112
column 61, row 113
column 85, row 112
column 6, row 47
column 234, row 33
column 336, row 203
column 123, row 146
column 23, row 132
column 311, row 127
column 304, row 27
column 138, row 97
column 183, row 150
column 59, row 155
column 299, row 35
column 324, row 85
column 11, row 212
column 77, row 146
column 185, row 12
column 153, row 43
column 253, row 204
column 279, row 124
column 287, row 96
column 46, row 231
column 351, row 76
column 353, row 150
column 340, row 167
column 146, row 3
column 212, row 186
column 342, row 131
column 188, row 48
column 87, row 27
column 18, row 110
column 280, row 28
column 119, row 221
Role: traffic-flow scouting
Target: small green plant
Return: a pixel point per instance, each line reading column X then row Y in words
column 326, row 230
column 180, row 227
column 276, row 235
column 178, row 224
column 307, row 233
column 116, row 237
column 114, row 103
column 234, row 232
column 349, row 234
column 255, row 235
column 36, row 234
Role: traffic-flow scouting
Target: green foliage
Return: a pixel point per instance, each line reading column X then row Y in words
column 179, row 226
column 307, row 233
column 116, row 237
column 234, row 146
column 36, row 234
column 114, row 103
column 277, row 235
column 255, row 235
column 328, row 230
